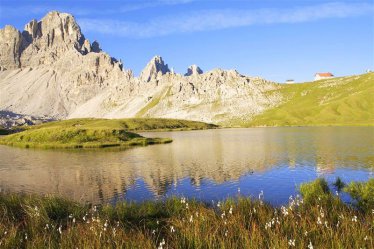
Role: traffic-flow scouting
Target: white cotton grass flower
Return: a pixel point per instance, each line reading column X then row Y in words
column 268, row 225
column 183, row 200
column 326, row 224
column 310, row 245
column 191, row 219
column 219, row 204
column 354, row 219
column 162, row 243
column 261, row 195
column 366, row 238
column 319, row 222
column 291, row 242
column 284, row 211
column 60, row 229
column 172, row 229
column 230, row 211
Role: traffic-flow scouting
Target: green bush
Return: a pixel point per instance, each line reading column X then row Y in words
column 362, row 193
column 317, row 189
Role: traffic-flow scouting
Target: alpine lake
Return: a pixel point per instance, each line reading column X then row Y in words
column 207, row 165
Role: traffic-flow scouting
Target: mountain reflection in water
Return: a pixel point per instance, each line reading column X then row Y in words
column 206, row 165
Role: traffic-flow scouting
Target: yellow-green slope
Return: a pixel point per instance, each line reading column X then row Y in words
column 339, row 101
column 78, row 133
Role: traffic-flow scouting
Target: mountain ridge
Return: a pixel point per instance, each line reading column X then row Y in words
column 63, row 75
column 50, row 69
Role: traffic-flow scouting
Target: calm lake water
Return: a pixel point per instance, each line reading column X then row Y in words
column 207, row 165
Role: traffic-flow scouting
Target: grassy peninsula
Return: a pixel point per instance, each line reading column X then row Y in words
column 345, row 101
column 96, row 133
column 318, row 219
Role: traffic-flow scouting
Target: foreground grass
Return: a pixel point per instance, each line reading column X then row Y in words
column 320, row 220
column 94, row 133
column 343, row 101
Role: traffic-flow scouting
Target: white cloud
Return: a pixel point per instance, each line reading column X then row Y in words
column 222, row 19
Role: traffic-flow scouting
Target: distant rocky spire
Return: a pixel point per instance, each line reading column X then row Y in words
column 95, row 47
column 10, row 47
column 155, row 67
column 193, row 70
column 31, row 31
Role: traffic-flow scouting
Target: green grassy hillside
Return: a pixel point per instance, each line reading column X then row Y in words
column 339, row 101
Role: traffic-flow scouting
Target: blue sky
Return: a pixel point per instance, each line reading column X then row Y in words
column 274, row 39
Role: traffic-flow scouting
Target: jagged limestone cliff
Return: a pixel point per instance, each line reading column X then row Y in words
column 50, row 69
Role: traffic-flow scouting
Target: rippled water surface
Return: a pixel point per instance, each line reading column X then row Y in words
column 208, row 165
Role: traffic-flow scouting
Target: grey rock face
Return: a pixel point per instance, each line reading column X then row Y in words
column 193, row 70
column 32, row 31
column 156, row 67
column 96, row 47
column 9, row 120
column 10, row 47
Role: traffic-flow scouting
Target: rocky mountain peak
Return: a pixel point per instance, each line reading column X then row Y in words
column 154, row 68
column 45, row 42
column 10, row 47
column 193, row 70
column 95, row 47
column 31, row 30
column 61, row 26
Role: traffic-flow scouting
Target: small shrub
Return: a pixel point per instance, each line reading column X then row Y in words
column 311, row 191
column 362, row 193
column 339, row 184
